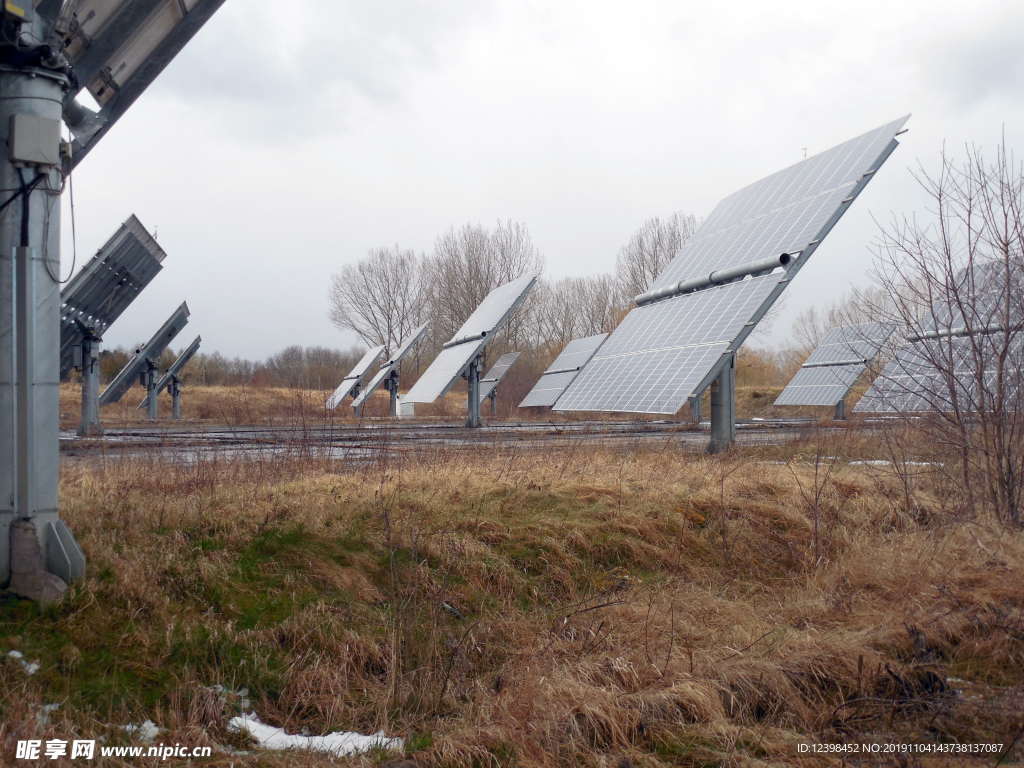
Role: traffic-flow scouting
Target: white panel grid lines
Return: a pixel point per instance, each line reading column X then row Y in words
column 562, row 371
column 835, row 364
column 639, row 369
column 666, row 351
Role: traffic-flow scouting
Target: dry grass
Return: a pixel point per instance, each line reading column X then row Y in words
column 592, row 608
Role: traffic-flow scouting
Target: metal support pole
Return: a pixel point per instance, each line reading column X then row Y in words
column 392, row 384
column 90, row 420
column 723, row 408
column 695, row 408
column 149, row 379
column 38, row 554
column 175, row 387
column 840, row 414
column 473, row 392
column 493, row 397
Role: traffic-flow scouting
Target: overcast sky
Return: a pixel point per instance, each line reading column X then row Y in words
column 289, row 138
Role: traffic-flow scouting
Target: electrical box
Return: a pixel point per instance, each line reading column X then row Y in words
column 35, row 140
column 406, row 410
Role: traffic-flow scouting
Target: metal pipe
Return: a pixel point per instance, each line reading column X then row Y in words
column 175, row 388
column 958, row 331
column 463, row 340
column 717, row 277
column 855, row 361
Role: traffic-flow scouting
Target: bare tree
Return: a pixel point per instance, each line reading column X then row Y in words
column 467, row 264
column 952, row 284
column 573, row 307
column 649, row 251
column 381, row 297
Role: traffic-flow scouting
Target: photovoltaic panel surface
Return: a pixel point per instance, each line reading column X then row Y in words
column 104, row 287
column 355, row 376
column 562, row 371
column 835, row 364
column 975, row 325
column 404, row 348
column 493, row 377
column 664, row 352
column 487, row 318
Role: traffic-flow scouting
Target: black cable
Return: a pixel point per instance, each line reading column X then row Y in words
column 26, row 197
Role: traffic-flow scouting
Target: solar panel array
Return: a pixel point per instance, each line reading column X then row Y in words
column 469, row 340
column 490, row 380
column 664, row 352
column 174, row 369
column 355, row 376
column 562, row 371
column 966, row 335
column 151, row 350
column 835, row 365
column 102, row 289
column 404, row 348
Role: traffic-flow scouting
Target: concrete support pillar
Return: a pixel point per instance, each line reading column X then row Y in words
column 840, row 414
column 90, row 420
column 723, row 408
column 695, row 409
column 175, row 387
column 473, row 392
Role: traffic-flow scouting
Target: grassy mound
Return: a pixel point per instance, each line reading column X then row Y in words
column 582, row 608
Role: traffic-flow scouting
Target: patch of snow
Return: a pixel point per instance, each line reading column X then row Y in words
column 146, row 732
column 30, row 667
column 339, row 743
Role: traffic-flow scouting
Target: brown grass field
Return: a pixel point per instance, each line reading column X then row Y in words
column 641, row 608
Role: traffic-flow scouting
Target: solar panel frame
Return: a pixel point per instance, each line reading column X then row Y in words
column 174, row 369
column 563, row 369
column 820, row 214
column 151, row 350
column 490, row 380
column 404, row 348
column 106, row 285
column 355, row 377
column 470, row 340
column 835, row 365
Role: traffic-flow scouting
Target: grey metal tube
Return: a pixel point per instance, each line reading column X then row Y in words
column 463, row 340
column 715, row 278
column 473, row 393
column 175, row 388
column 152, row 404
column 855, row 361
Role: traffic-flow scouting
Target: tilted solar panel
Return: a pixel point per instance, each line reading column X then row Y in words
column 174, row 369
column 490, row 380
column 104, row 287
column 836, row 363
column 469, row 340
column 355, row 376
column 955, row 351
column 151, row 350
column 404, row 348
column 670, row 349
column 562, row 371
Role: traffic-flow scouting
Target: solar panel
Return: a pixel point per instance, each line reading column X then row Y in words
column 835, row 364
column 174, row 369
column 490, row 380
column 562, row 371
column 351, row 383
column 469, row 340
column 391, row 365
column 671, row 349
column 150, row 351
column 102, row 289
column 952, row 360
